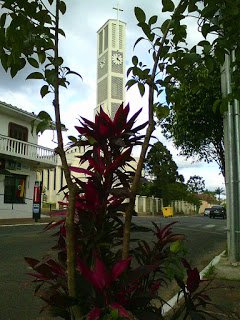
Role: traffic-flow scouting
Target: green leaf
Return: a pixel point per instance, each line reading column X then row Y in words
column 4, row 59
column 62, row 7
column 14, row 70
column 91, row 140
column 42, row 57
column 165, row 25
column 138, row 40
column 33, row 62
column 131, row 83
column 205, row 29
column 209, row 62
column 35, row 75
column 135, row 60
column 3, row 20
column 60, row 31
column 140, row 15
column 216, row 105
column 44, row 91
column 43, row 115
column 192, row 7
column 203, row 43
column 42, row 126
column 73, row 139
column 168, row 5
column 73, row 72
column 114, row 314
column 152, row 20
column 141, row 88
column 162, row 112
column 176, row 246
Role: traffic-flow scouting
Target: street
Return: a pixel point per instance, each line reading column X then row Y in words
column 206, row 238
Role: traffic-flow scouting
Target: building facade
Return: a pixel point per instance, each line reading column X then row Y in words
column 111, row 57
column 20, row 159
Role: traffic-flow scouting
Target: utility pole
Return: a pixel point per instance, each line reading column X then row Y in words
column 232, row 162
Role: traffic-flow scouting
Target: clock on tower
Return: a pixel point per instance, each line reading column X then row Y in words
column 111, row 66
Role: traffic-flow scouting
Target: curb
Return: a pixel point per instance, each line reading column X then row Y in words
column 174, row 300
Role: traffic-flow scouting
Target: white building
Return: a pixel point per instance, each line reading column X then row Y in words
column 20, row 159
column 111, row 57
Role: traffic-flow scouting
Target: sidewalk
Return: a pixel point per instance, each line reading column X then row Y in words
column 225, row 292
column 45, row 218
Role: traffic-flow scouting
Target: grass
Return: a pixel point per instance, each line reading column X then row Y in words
column 210, row 273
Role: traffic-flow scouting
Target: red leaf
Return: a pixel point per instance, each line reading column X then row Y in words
column 186, row 264
column 40, row 277
column 92, row 196
column 102, row 274
column 89, row 275
column 120, row 118
column 119, row 162
column 80, row 170
column 193, row 280
column 94, row 314
column 119, row 268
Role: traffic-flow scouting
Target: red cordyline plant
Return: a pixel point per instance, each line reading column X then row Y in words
column 107, row 288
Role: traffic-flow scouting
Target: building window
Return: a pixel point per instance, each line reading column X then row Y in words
column 106, row 38
column 54, row 179
column 61, row 182
column 100, row 42
column 14, row 189
column 17, row 132
column 48, row 179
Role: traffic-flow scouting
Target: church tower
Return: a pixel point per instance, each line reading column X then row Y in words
column 111, row 57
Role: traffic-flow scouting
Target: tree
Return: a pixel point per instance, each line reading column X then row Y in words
column 29, row 33
column 195, row 128
column 167, row 183
column 218, row 192
column 196, row 184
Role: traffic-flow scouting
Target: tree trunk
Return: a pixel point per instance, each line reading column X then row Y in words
column 71, row 254
column 150, row 129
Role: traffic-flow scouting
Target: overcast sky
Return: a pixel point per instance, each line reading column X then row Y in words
column 79, row 50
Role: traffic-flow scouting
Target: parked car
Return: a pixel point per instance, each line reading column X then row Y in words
column 207, row 211
column 217, row 211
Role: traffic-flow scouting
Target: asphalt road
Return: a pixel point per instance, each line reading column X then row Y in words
column 206, row 238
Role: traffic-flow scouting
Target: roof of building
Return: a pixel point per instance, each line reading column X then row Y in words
column 17, row 110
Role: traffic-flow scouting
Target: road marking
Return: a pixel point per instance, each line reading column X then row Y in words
column 24, row 224
column 209, row 226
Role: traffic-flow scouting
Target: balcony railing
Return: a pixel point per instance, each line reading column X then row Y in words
column 26, row 150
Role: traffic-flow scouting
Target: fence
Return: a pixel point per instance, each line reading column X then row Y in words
column 153, row 206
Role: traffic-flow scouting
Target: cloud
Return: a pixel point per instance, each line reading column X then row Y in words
column 79, row 50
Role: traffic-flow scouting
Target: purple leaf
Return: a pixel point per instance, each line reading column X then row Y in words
column 94, row 314
column 119, row 268
column 80, row 170
column 193, row 280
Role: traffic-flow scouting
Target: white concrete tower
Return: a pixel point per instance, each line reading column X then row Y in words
column 111, row 57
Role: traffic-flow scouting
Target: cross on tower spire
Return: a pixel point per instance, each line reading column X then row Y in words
column 118, row 9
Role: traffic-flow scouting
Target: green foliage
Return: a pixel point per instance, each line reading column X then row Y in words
column 166, row 183
column 29, row 37
column 168, row 47
column 196, row 184
column 193, row 125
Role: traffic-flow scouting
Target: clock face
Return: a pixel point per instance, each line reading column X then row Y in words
column 102, row 62
column 117, row 58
